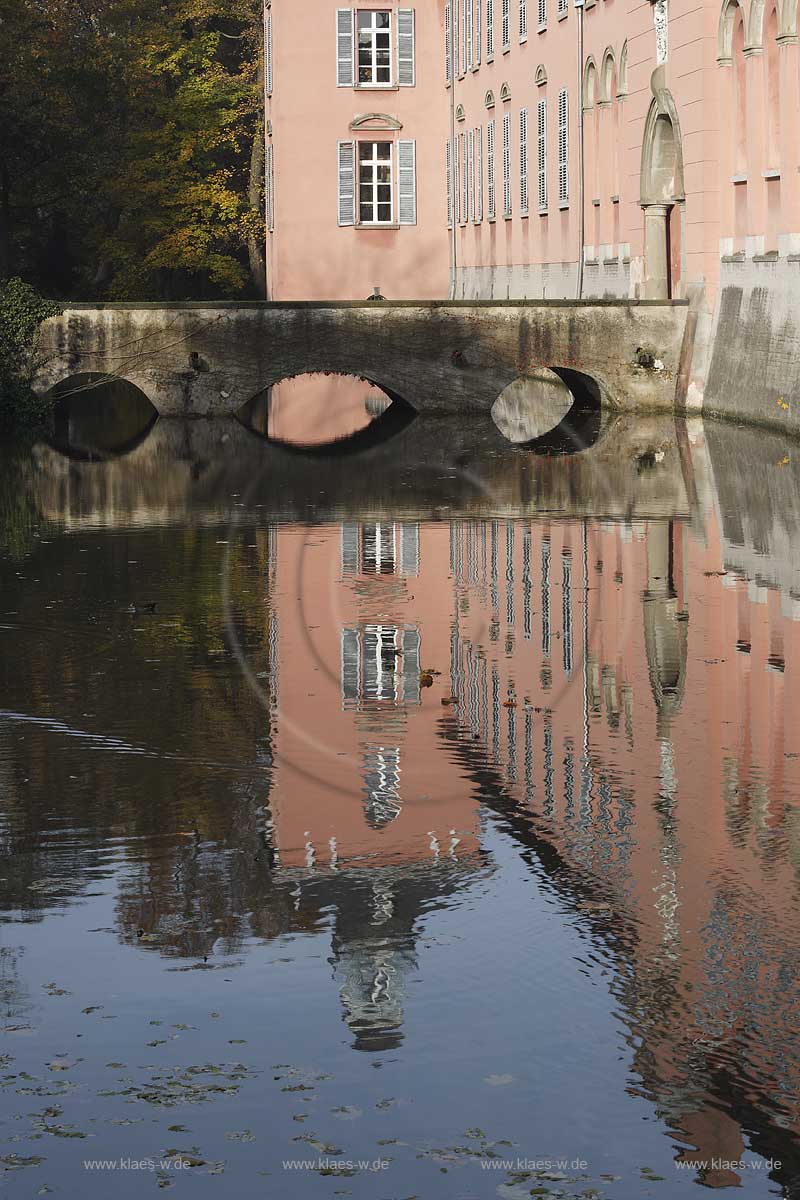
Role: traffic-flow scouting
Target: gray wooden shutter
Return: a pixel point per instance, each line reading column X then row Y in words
column 351, row 668
column 345, row 38
column 268, row 40
column 409, row 548
column 411, row 648
column 406, row 70
column 407, row 182
column 350, row 539
column 347, row 183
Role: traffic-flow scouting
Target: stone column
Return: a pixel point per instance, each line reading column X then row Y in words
column 656, row 266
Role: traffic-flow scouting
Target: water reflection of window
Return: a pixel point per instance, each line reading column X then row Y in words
column 382, row 785
column 380, row 548
column 380, row 663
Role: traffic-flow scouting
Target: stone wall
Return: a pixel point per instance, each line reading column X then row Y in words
column 754, row 360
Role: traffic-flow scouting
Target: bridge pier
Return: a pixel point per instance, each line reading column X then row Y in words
column 208, row 359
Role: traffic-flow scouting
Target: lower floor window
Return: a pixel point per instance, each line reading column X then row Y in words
column 375, row 183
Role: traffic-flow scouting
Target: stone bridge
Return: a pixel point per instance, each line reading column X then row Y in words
column 208, row 359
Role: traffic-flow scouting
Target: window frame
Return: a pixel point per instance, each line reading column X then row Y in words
column 375, row 162
column 374, row 83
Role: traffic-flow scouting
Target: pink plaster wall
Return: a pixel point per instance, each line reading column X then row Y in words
column 309, row 256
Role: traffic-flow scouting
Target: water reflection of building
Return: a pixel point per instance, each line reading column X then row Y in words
column 577, row 701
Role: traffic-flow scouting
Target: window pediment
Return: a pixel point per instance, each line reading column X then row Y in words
column 375, row 121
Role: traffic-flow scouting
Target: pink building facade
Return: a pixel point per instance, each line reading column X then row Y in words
column 534, row 149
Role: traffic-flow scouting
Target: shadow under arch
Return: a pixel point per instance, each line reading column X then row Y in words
column 96, row 419
column 581, row 426
column 397, row 417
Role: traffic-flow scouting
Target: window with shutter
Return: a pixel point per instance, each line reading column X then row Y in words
column 478, row 23
column 479, row 173
column 489, row 30
column 468, row 9
column 471, row 173
column 507, row 165
column 374, row 29
column 563, row 146
column 490, row 184
column 457, row 179
column 523, row 162
column 407, row 182
column 506, row 22
column 463, row 37
column 523, row 20
column 347, row 183
column 542, row 145
column 563, row 7
column 406, row 69
column 448, row 42
column 542, row 14
column 345, row 40
column 375, row 199
column 268, row 52
column 270, row 180
column 449, row 160
column 464, row 196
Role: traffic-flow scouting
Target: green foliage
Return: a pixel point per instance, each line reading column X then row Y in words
column 128, row 128
column 22, row 311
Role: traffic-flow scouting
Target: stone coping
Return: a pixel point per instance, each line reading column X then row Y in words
column 267, row 305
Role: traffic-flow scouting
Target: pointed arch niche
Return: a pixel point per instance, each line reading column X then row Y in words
column 662, row 197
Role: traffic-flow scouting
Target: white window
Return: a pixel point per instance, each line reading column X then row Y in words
column 542, row 145
column 448, row 40
column 374, row 47
column 542, row 14
column 563, row 146
column 523, row 20
column 449, row 160
column 507, row 165
column 380, row 663
column 506, row 31
column 479, row 173
column 368, row 179
column 380, row 548
column 370, row 53
column 563, row 7
column 268, row 51
column 471, row 172
column 375, row 205
column 490, row 185
column 463, row 38
column 270, row 188
column 489, row 30
column 523, row 162
column 464, row 183
column 478, row 24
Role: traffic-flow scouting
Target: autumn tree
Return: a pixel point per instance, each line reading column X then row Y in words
column 131, row 147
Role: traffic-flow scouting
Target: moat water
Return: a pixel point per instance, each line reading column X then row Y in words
column 417, row 816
